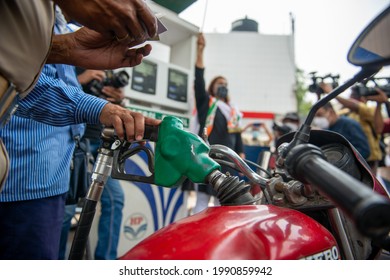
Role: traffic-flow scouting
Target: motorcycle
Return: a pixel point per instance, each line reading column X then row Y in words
column 320, row 202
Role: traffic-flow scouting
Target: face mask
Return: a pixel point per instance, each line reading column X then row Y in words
column 255, row 134
column 321, row 122
column 293, row 126
column 222, row 92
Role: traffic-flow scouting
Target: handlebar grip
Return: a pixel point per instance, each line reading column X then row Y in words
column 151, row 132
column 369, row 210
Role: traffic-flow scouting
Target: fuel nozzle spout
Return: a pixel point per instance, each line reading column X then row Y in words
column 230, row 189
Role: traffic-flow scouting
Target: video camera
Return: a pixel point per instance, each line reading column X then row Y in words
column 114, row 79
column 363, row 89
column 281, row 129
column 316, row 80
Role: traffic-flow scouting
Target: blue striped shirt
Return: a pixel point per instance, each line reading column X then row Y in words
column 40, row 154
column 53, row 102
column 39, row 137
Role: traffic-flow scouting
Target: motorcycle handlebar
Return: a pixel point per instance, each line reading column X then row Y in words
column 369, row 210
column 220, row 151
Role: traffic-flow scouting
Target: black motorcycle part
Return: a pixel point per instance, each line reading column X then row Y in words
column 231, row 191
column 369, row 210
column 342, row 157
column 322, row 138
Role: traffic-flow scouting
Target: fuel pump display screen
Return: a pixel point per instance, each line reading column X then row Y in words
column 177, row 85
column 144, row 77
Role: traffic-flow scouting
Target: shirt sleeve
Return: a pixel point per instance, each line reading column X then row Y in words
column 201, row 97
column 239, row 143
column 55, row 103
column 366, row 113
column 359, row 140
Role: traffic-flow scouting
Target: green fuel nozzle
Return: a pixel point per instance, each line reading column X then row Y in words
column 180, row 154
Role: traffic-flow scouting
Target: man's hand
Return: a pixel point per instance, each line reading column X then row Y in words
column 130, row 19
column 125, row 122
column 326, row 87
column 92, row 50
column 201, row 42
column 114, row 95
column 89, row 75
column 381, row 97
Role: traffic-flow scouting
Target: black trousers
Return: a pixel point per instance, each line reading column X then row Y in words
column 31, row 229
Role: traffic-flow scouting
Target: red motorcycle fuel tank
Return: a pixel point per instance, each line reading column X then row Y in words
column 249, row 232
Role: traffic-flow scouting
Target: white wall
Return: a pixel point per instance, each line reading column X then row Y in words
column 260, row 69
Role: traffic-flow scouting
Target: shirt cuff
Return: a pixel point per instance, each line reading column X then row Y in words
column 89, row 109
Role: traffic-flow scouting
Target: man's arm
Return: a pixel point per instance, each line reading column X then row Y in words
column 380, row 98
column 351, row 104
column 55, row 103
column 200, row 45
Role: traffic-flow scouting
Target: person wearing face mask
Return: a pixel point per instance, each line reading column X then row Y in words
column 291, row 120
column 368, row 116
column 217, row 116
column 255, row 128
column 327, row 118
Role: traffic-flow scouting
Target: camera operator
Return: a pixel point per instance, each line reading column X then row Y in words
column 104, row 84
column 369, row 117
column 316, row 88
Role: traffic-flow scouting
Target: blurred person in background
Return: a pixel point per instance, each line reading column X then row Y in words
column 217, row 116
column 327, row 118
column 290, row 122
column 369, row 117
column 255, row 128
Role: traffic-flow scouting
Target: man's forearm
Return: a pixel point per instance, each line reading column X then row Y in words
column 60, row 50
column 348, row 103
column 378, row 119
column 199, row 59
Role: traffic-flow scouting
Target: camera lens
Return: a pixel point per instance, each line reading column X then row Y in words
column 315, row 88
column 120, row 79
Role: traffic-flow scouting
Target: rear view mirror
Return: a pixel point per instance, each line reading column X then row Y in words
column 372, row 47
